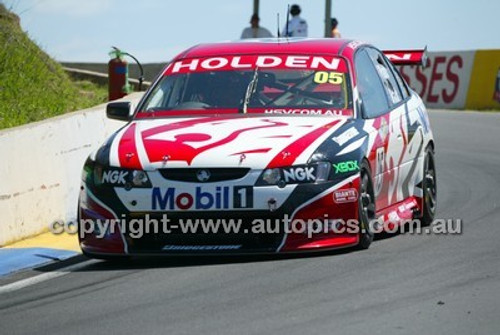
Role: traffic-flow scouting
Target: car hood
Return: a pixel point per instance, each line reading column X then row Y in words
column 253, row 142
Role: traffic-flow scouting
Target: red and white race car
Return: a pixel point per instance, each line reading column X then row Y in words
column 262, row 146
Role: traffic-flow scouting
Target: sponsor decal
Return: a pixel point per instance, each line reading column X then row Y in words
column 414, row 57
column 323, row 77
column 444, row 82
column 345, row 196
column 347, row 166
column 305, row 111
column 114, row 177
column 354, row 44
column 246, row 62
column 222, row 197
column 122, row 178
column 169, row 247
column 299, row 174
column 346, row 136
column 351, row 147
column 399, row 56
column 405, row 207
column 394, row 216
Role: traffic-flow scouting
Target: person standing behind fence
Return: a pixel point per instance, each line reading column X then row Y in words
column 255, row 31
column 297, row 26
column 335, row 31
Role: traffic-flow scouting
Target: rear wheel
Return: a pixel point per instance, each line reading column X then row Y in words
column 366, row 207
column 429, row 188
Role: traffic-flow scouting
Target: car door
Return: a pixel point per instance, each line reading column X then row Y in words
column 417, row 129
column 384, row 111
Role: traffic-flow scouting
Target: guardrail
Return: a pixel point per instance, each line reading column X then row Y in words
column 41, row 168
column 101, row 78
column 151, row 70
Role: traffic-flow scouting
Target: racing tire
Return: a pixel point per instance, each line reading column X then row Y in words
column 366, row 207
column 429, row 188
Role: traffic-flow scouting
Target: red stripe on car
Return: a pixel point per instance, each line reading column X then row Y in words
column 288, row 155
column 127, row 150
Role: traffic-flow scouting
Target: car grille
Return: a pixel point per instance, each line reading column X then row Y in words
column 215, row 174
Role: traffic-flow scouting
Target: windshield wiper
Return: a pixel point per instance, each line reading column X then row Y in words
column 251, row 88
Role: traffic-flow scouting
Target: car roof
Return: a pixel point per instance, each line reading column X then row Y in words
column 268, row 45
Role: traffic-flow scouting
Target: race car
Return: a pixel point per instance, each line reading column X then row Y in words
column 262, row 146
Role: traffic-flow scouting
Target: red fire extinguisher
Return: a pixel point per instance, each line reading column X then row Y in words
column 118, row 85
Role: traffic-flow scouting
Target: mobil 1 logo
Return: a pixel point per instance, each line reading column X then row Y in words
column 243, row 197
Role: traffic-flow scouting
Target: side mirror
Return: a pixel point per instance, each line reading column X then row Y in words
column 119, row 111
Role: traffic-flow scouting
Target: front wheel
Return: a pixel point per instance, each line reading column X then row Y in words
column 366, row 207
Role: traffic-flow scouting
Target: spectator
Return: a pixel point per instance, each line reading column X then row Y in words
column 297, row 26
column 335, row 31
column 254, row 31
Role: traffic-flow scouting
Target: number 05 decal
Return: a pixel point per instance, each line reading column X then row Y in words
column 323, row 77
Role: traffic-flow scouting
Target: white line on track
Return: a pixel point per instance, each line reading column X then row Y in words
column 42, row 277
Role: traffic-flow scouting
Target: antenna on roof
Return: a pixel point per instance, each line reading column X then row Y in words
column 287, row 20
column 278, row 14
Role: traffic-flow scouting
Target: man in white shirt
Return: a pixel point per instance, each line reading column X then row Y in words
column 297, row 26
column 255, row 31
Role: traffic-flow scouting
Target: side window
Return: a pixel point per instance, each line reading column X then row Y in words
column 402, row 84
column 387, row 77
column 369, row 86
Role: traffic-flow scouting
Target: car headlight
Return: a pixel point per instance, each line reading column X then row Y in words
column 139, row 178
column 88, row 167
column 271, row 176
column 299, row 174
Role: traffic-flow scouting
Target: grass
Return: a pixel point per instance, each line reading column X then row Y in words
column 33, row 86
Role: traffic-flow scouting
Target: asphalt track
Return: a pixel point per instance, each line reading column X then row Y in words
column 404, row 284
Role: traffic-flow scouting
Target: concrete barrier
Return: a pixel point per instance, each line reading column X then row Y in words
column 41, row 166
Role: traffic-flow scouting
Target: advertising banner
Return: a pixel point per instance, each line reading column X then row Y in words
column 484, row 87
column 444, row 82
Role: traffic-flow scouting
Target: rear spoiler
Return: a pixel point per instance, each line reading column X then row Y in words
column 407, row 57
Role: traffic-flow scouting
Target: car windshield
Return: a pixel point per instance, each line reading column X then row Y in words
column 312, row 89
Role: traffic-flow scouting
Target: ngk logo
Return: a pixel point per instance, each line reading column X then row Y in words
column 114, row 177
column 299, row 174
